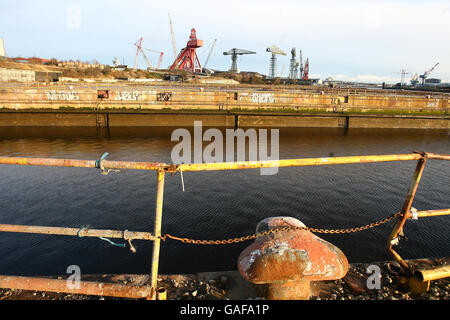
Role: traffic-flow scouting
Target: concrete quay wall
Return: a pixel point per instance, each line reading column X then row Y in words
column 114, row 105
column 101, row 119
column 178, row 97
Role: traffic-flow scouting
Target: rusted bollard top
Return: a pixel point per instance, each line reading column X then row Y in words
column 296, row 255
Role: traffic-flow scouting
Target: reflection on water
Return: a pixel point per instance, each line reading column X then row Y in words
column 215, row 204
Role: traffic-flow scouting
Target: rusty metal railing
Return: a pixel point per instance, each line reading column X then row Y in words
column 150, row 292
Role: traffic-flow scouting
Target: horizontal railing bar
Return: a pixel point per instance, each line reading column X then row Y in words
column 437, row 156
column 296, row 162
column 131, row 235
column 82, row 163
column 85, row 287
column 80, row 232
column 432, row 213
column 217, row 166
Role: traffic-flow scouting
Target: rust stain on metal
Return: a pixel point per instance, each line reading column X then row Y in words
column 85, row 287
column 80, row 232
column 406, row 214
column 432, row 274
column 218, row 166
column 290, row 259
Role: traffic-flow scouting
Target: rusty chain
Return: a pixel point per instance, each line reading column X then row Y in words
column 281, row 229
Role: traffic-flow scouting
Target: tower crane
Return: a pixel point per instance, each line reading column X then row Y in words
column 174, row 47
column 161, row 54
column 273, row 60
column 301, row 64
column 140, row 49
column 187, row 59
column 306, row 70
column 414, row 80
column 234, row 55
column 138, row 44
column 426, row 73
column 293, row 69
column 210, row 52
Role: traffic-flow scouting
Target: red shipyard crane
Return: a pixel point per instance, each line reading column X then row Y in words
column 187, row 59
column 306, row 70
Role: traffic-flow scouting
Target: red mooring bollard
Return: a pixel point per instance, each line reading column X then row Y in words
column 287, row 261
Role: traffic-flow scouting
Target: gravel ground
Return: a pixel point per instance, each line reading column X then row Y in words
column 353, row 286
column 229, row 285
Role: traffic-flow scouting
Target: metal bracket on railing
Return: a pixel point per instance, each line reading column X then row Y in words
column 132, row 248
column 414, row 214
column 394, row 242
column 99, row 165
column 422, row 153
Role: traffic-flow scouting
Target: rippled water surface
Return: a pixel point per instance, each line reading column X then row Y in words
column 215, row 204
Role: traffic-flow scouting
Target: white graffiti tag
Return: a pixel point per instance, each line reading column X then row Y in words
column 128, row 95
column 62, row 95
column 262, row 98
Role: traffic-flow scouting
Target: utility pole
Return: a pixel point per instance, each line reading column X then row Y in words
column 402, row 77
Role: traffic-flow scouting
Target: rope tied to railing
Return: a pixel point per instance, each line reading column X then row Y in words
column 99, row 165
column 79, row 234
column 122, row 245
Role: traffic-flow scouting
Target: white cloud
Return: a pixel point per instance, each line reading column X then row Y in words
column 366, row 78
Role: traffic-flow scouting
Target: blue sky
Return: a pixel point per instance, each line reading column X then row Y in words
column 348, row 40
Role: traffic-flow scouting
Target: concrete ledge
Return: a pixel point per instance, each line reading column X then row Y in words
column 166, row 120
column 121, row 118
column 399, row 122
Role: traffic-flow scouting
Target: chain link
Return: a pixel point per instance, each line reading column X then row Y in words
column 281, row 229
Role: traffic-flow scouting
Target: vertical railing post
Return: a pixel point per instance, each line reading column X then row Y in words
column 406, row 213
column 157, row 230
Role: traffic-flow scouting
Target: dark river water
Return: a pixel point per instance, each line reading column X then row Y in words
column 215, row 204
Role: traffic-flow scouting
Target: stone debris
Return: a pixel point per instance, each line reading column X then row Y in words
column 353, row 285
column 230, row 286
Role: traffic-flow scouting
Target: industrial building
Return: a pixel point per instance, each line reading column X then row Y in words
column 22, row 72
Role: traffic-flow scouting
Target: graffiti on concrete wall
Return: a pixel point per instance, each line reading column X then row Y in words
column 63, row 95
column 262, row 98
column 164, row 96
column 432, row 104
column 128, row 95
